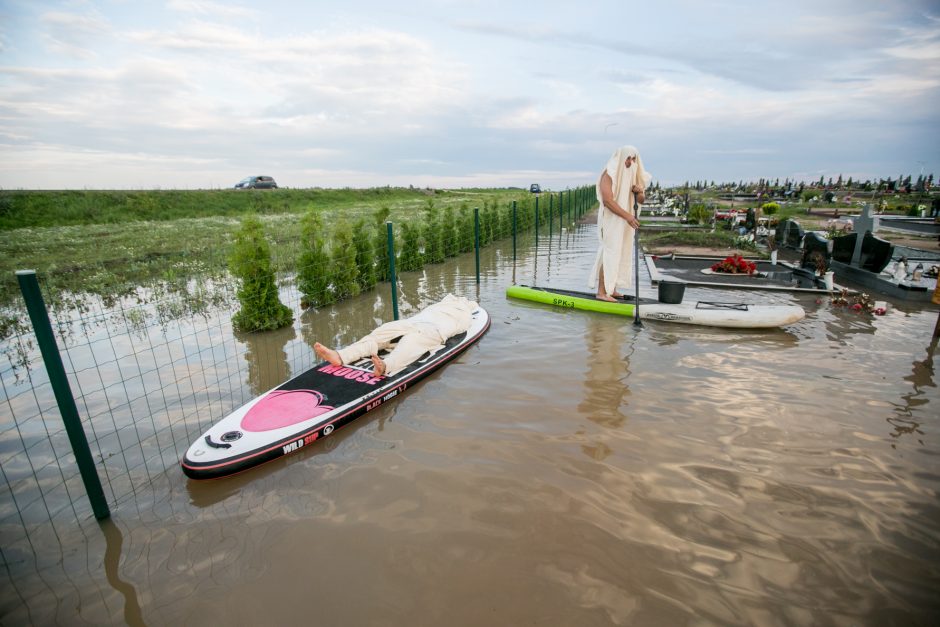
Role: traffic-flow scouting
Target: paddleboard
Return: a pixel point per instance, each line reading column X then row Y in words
column 310, row 407
column 713, row 314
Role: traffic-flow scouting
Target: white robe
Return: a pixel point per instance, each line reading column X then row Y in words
column 408, row 339
column 615, row 253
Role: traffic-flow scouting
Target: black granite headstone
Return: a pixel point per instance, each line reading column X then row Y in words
column 815, row 243
column 876, row 253
column 789, row 233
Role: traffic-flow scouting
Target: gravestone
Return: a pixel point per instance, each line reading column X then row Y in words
column 815, row 243
column 861, row 249
column 862, row 224
column 789, row 233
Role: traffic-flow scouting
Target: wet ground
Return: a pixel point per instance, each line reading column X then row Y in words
column 569, row 469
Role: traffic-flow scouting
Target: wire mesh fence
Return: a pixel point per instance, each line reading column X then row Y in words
column 154, row 366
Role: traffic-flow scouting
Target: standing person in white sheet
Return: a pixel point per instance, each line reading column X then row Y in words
column 623, row 180
column 412, row 337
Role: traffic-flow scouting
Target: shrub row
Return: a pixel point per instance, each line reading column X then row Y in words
column 344, row 259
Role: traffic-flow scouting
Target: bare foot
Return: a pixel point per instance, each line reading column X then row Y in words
column 327, row 354
column 609, row 299
column 617, row 295
column 378, row 366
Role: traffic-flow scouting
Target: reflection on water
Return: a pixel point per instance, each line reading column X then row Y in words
column 606, row 382
column 568, row 469
column 268, row 366
column 921, row 378
column 112, row 567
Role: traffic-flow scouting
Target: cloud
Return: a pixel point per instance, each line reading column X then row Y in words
column 356, row 74
column 199, row 36
column 73, row 34
column 418, row 96
column 213, row 9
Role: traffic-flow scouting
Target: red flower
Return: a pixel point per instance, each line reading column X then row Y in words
column 735, row 264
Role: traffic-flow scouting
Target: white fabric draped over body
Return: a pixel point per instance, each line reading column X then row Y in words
column 408, row 339
column 615, row 253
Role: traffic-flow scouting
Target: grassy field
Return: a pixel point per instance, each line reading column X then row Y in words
column 111, row 243
column 24, row 209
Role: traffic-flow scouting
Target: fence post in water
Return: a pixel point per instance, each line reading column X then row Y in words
column 391, row 267
column 514, row 231
column 36, row 307
column 551, row 211
column 476, row 238
column 536, row 221
column 568, row 191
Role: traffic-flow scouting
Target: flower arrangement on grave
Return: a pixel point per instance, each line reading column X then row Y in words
column 735, row 264
column 819, row 261
column 858, row 303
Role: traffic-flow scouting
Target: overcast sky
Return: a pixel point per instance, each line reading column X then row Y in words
column 463, row 93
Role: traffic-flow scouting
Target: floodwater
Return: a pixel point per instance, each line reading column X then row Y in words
column 569, row 469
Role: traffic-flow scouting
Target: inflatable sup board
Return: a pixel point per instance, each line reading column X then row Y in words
column 713, row 314
column 309, row 407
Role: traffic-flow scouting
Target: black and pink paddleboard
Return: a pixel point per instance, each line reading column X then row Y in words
column 310, row 407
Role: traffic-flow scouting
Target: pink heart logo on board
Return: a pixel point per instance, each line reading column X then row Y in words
column 283, row 408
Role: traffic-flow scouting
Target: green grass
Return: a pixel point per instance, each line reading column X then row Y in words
column 31, row 209
column 110, row 244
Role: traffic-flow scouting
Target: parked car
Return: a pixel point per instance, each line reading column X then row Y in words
column 535, row 189
column 256, row 182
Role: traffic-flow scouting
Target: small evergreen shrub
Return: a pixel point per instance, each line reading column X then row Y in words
column 433, row 235
column 466, row 229
column 449, row 232
column 409, row 256
column 250, row 262
column 365, row 254
column 380, row 243
column 345, row 273
column 313, row 275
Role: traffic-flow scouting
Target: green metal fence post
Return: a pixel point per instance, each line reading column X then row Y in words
column 391, row 267
column 551, row 213
column 514, row 231
column 536, row 221
column 476, row 238
column 568, row 191
column 36, row 307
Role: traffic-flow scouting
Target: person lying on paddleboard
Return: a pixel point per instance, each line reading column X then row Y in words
column 423, row 332
column 622, row 182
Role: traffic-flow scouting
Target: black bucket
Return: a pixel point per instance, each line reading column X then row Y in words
column 671, row 292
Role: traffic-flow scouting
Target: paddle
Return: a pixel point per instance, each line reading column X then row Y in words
column 636, row 266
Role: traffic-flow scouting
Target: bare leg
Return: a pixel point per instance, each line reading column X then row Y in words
column 602, row 290
column 378, row 366
column 327, row 354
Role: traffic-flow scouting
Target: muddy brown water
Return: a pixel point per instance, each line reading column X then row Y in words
column 569, row 469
